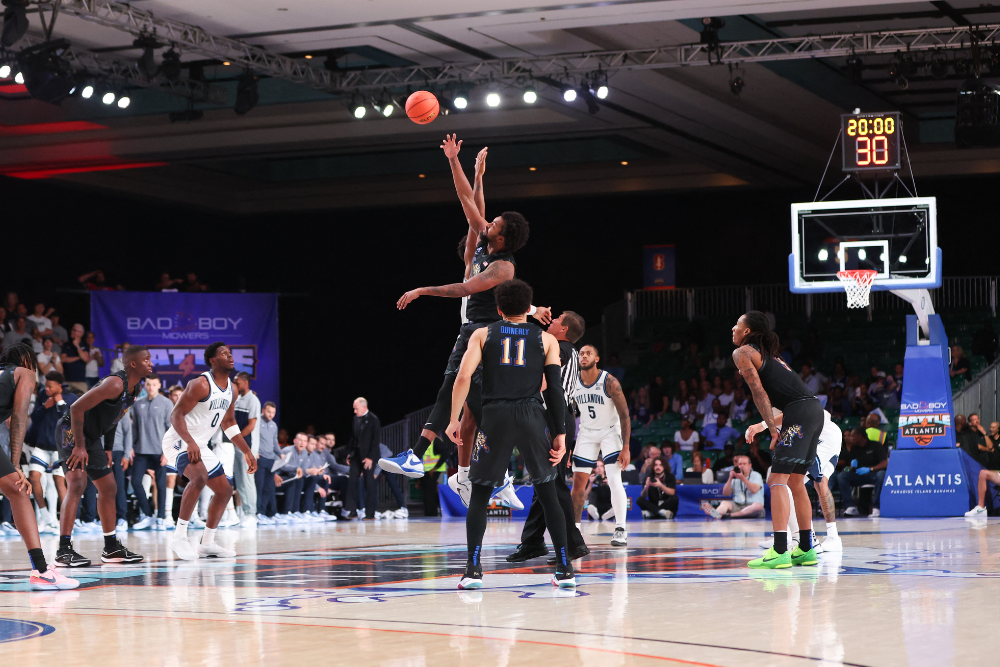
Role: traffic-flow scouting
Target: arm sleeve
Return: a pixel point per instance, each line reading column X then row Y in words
column 555, row 402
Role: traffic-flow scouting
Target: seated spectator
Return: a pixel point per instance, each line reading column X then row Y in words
column 839, row 376
column 872, row 428
column 839, row 405
column 738, row 409
column 59, row 333
column 887, row 393
column 681, row 399
column 959, row 363
column 192, row 284
column 728, row 394
column 658, row 395
column 642, row 411
column 975, row 440
column 724, row 461
column 659, row 495
column 869, row 460
column 599, row 494
column 747, row 488
column 814, row 381
column 40, row 320
column 705, row 397
column 614, row 369
column 718, row 434
column 675, row 464
column 19, row 334
column 687, row 439
column 36, row 342
column 712, row 416
column 94, row 281
column 719, row 361
column 717, row 389
column 289, row 477
column 699, row 470
column 48, row 360
column 692, row 411
column 167, row 284
column 649, row 452
column 760, row 459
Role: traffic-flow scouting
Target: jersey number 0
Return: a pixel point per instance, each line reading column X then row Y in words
column 505, row 359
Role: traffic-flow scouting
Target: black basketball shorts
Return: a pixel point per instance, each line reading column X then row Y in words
column 6, row 466
column 506, row 425
column 801, row 425
column 97, row 458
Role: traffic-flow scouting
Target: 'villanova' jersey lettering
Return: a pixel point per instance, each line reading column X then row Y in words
column 205, row 418
column 583, row 399
column 219, row 404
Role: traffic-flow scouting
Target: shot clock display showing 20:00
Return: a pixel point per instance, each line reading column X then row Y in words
column 871, row 141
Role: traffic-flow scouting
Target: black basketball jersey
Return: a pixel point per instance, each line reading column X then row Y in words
column 782, row 385
column 513, row 361
column 7, row 390
column 104, row 416
column 482, row 306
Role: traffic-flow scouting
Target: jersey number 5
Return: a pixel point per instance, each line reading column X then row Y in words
column 593, row 415
column 505, row 359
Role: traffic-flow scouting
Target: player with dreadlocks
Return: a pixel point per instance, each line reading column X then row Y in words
column 18, row 375
column 774, row 385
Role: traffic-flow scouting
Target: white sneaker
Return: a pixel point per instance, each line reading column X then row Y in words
column 463, row 489
column 229, row 519
column 215, row 550
column 248, row 521
column 593, row 513
column 666, row 514
column 183, row 549
column 402, row 513
column 48, row 529
column 976, row 511
column 121, row 526
column 282, row 519
column 833, row 545
column 875, row 513
column 168, row 523
column 159, row 524
column 144, row 523
column 620, row 538
column 607, row 516
column 506, row 494
column 851, row 511
column 196, row 521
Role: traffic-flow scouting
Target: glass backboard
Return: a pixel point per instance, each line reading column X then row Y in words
column 895, row 237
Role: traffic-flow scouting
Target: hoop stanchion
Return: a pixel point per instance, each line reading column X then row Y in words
column 858, row 285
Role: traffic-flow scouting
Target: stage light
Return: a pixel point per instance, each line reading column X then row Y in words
column 108, row 97
column 15, row 21
column 4, row 71
column 824, row 255
column 736, row 85
column 710, row 27
column 19, row 78
column 359, row 111
column 569, row 95
column 530, row 96
column 387, row 110
column 902, row 259
column 602, row 92
column 590, row 100
column 308, row 57
column 855, row 67
column 246, row 93
column 493, row 99
column 939, row 67
column 87, row 92
column 384, row 105
column 146, row 63
column 461, row 101
column 170, row 66
column 45, row 73
column 124, row 101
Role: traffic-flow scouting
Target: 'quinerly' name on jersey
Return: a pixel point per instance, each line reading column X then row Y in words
column 205, row 418
column 597, row 410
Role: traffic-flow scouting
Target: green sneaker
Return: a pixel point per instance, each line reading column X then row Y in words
column 772, row 560
column 800, row 557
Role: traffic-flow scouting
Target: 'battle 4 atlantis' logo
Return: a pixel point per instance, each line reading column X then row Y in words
column 177, row 365
column 924, row 428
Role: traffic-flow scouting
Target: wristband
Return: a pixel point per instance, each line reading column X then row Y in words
column 532, row 311
column 232, row 431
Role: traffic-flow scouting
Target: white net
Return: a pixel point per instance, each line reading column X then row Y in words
column 858, row 285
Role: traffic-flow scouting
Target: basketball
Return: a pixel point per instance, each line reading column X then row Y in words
column 422, row 107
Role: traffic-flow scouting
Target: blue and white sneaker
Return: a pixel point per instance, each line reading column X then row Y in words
column 506, row 495
column 121, row 526
column 406, row 463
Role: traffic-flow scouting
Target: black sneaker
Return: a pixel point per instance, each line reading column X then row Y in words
column 66, row 557
column 119, row 554
column 564, row 577
column 472, row 579
column 579, row 552
column 527, row 552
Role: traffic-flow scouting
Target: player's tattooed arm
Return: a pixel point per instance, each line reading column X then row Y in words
column 614, row 389
column 744, row 362
column 25, row 380
column 478, row 193
column 494, row 274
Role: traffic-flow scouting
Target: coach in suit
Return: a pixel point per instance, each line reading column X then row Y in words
column 364, row 457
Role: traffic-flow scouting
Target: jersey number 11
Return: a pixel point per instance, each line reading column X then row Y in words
column 505, row 352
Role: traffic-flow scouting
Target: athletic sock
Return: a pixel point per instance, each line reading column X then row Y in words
column 463, row 474
column 65, row 541
column 181, row 531
column 421, row 447
column 208, row 537
column 831, row 530
column 780, row 541
column 37, row 560
column 110, row 540
column 805, row 539
column 169, row 504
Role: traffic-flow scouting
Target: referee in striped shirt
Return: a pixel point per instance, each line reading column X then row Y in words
column 567, row 329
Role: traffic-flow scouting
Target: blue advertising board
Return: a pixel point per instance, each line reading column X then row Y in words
column 177, row 327
column 933, row 482
column 925, row 410
column 658, row 267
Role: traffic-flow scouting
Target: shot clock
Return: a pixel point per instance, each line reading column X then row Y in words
column 871, row 141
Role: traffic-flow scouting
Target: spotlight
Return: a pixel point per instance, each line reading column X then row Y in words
column 710, row 27
column 384, row 105
column 938, row 67
column 569, row 94
column 19, row 78
column 124, row 101
column 246, row 93
column 387, row 110
column 147, row 61
column 461, row 101
column 87, row 92
column 530, row 96
column 44, row 72
column 736, row 82
column 602, row 92
column 358, row 108
column 896, row 73
column 493, row 99
column 823, row 255
column 590, row 100
column 902, row 259
column 15, row 21
column 108, row 97
column 170, row 67
column 4, row 71
column 855, row 67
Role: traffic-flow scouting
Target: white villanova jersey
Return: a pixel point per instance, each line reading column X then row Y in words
column 205, row 418
column 597, row 411
column 830, row 439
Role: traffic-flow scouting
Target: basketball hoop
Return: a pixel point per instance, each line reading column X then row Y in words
column 858, row 285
